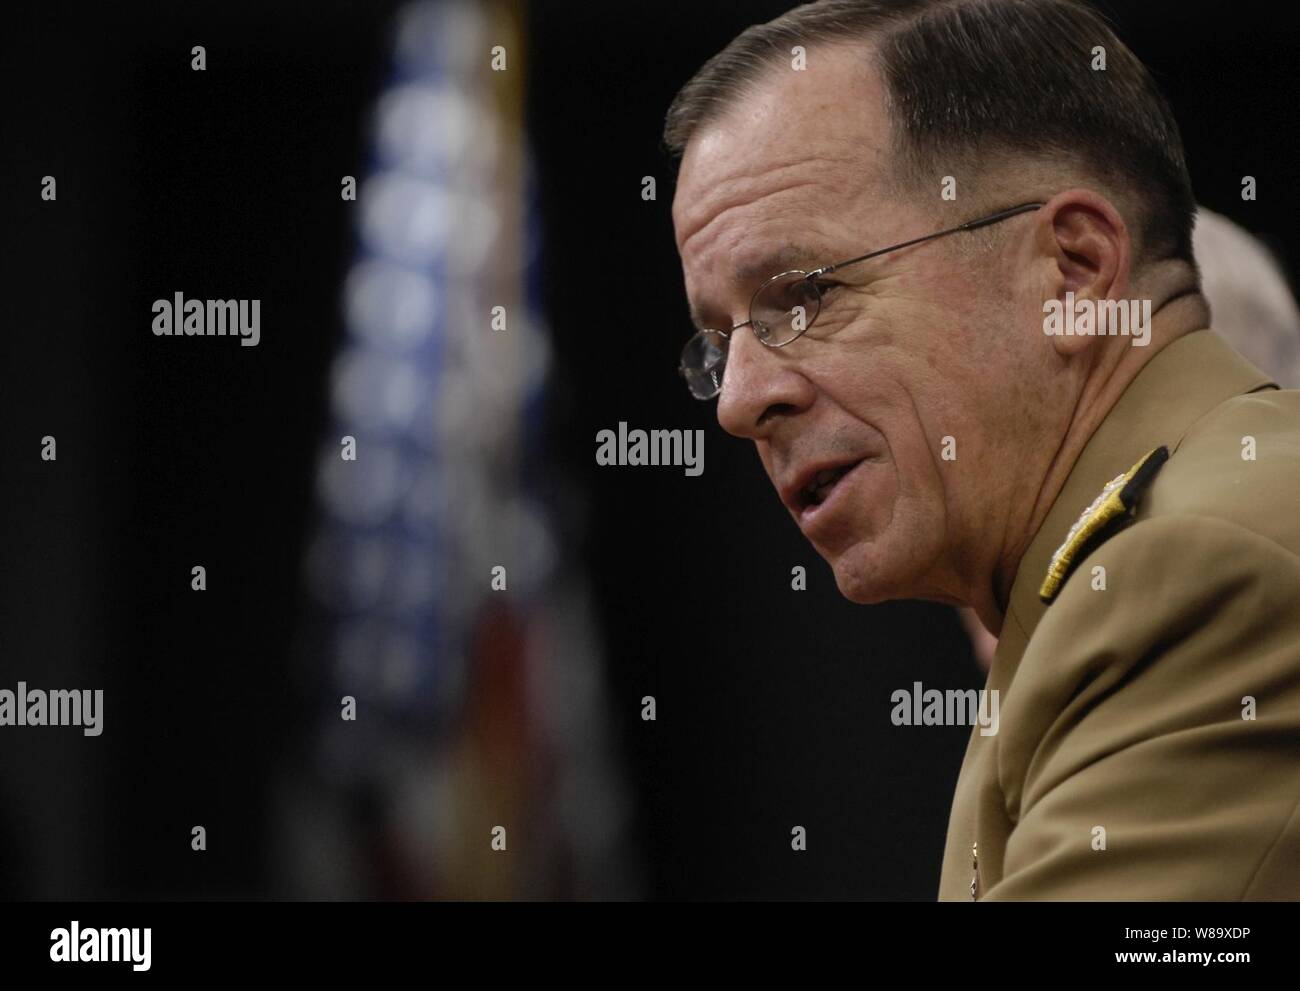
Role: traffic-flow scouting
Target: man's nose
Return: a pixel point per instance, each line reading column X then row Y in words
column 760, row 386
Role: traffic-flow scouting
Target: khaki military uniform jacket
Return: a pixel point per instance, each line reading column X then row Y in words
column 1149, row 736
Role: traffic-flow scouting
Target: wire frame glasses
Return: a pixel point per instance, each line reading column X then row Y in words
column 785, row 306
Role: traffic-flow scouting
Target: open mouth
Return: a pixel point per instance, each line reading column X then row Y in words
column 823, row 483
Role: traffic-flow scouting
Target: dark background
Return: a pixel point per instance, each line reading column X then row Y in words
column 773, row 706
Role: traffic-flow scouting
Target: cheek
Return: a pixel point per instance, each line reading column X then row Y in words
column 911, row 407
column 903, row 372
column 765, row 457
column 900, row 393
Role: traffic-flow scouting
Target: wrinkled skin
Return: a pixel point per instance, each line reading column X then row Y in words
column 940, row 340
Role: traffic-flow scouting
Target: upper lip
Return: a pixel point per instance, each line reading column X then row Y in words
column 792, row 492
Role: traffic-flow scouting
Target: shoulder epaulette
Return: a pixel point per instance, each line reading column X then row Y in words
column 1116, row 500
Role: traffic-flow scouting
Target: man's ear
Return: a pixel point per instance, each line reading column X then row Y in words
column 1089, row 253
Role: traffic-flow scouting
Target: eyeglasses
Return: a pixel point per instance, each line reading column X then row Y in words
column 785, row 306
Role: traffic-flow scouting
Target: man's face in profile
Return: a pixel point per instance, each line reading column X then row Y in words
column 910, row 358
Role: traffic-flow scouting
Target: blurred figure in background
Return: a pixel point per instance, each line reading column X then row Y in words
column 1250, row 301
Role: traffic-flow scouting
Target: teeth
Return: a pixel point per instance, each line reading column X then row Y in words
column 820, row 486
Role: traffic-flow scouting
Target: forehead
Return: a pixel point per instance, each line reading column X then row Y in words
column 791, row 161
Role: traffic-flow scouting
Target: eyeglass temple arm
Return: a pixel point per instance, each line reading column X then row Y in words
column 970, row 225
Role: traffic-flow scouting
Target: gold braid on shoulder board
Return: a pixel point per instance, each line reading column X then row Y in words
column 1116, row 500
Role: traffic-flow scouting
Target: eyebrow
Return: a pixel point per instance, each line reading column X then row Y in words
column 749, row 274
column 783, row 259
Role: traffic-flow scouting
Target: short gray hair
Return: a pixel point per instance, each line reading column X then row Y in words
column 969, row 78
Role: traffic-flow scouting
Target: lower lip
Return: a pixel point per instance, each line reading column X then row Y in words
column 822, row 513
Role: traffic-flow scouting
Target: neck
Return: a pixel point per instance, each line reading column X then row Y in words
column 1179, row 310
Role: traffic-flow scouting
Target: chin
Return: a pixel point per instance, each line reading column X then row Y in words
column 865, row 576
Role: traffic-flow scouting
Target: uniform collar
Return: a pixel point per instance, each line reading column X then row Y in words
column 1181, row 383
